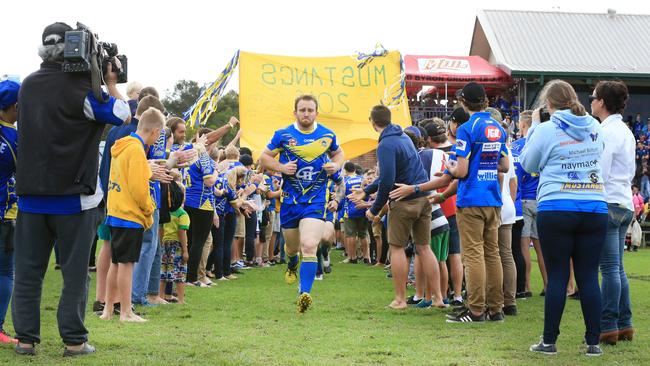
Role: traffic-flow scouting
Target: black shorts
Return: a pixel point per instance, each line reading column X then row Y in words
column 126, row 244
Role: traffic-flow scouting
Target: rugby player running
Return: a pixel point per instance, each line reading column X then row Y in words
column 309, row 153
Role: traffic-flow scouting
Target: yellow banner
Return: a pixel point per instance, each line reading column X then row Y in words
column 269, row 84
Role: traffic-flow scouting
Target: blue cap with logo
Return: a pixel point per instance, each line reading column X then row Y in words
column 8, row 93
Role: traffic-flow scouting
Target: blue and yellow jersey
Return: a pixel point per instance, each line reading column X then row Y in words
column 222, row 203
column 197, row 194
column 8, row 145
column 352, row 182
column 310, row 151
column 269, row 183
column 184, row 147
column 157, row 151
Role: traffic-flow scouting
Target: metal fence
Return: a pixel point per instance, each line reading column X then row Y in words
column 420, row 113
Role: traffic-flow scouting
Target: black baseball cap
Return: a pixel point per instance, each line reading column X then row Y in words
column 459, row 116
column 473, row 92
column 435, row 129
column 246, row 160
column 58, row 29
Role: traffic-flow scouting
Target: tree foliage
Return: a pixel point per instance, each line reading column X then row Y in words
column 185, row 93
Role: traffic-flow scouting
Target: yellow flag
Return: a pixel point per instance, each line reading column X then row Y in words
column 269, row 84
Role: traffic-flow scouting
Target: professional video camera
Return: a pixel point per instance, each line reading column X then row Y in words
column 83, row 52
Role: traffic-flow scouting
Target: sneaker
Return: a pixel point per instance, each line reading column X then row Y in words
column 98, row 306
column 496, row 317
column 231, row 277
column 5, row 338
column 207, row 282
column 195, row 284
column 290, row 276
column 92, row 269
column 29, row 351
column 367, row 261
column 543, row 293
column 327, row 269
column 57, row 267
column 594, row 351
column 424, row 304
column 575, row 296
column 465, row 316
column 86, row 349
column 456, row 303
column 411, row 300
column 222, row 279
column 541, row 347
column 528, row 294
column 353, row 261
column 510, row 310
column 304, row 302
column 521, row 295
column 319, row 277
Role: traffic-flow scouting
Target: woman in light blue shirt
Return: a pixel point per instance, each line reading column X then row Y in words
column 572, row 211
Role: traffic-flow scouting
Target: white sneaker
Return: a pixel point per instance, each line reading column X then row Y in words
column 319, row 277
column 207, row 282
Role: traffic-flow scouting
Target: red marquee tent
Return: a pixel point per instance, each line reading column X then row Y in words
column 452, row 72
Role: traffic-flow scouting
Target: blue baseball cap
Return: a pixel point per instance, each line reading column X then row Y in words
column 414, row 130
column 8, row 93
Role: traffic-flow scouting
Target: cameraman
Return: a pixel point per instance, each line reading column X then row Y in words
column 61, row 124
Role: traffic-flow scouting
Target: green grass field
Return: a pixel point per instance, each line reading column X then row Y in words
column 253, row 321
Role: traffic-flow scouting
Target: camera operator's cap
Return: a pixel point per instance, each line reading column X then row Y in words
column 414, row 130
column 473, row 92
column 57, row 29
column 8, row 93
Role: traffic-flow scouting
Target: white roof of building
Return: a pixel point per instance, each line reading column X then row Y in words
column 528, row 42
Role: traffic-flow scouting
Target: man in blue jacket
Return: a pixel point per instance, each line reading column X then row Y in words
column 399, row 162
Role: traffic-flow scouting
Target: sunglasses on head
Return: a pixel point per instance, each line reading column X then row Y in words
column 592, row 98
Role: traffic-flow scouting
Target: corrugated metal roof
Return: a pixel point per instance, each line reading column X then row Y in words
column 555, row 42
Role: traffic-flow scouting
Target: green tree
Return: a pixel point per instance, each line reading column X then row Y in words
column 185, row 93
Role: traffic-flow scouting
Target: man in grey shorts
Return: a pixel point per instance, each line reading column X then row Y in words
column 528, row 187
column 356, row 223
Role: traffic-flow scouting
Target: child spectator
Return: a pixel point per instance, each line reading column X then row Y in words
column 173, row 267
column 637, row 199
column 130, row 210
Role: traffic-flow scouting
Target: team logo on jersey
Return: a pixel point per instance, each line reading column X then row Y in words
column 593, row 176
column 461, row 144
column 306, row 173
column 573, row 176
column 292, row 142
column 493, row 133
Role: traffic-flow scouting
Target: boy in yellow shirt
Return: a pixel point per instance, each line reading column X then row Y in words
column 129, row 210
